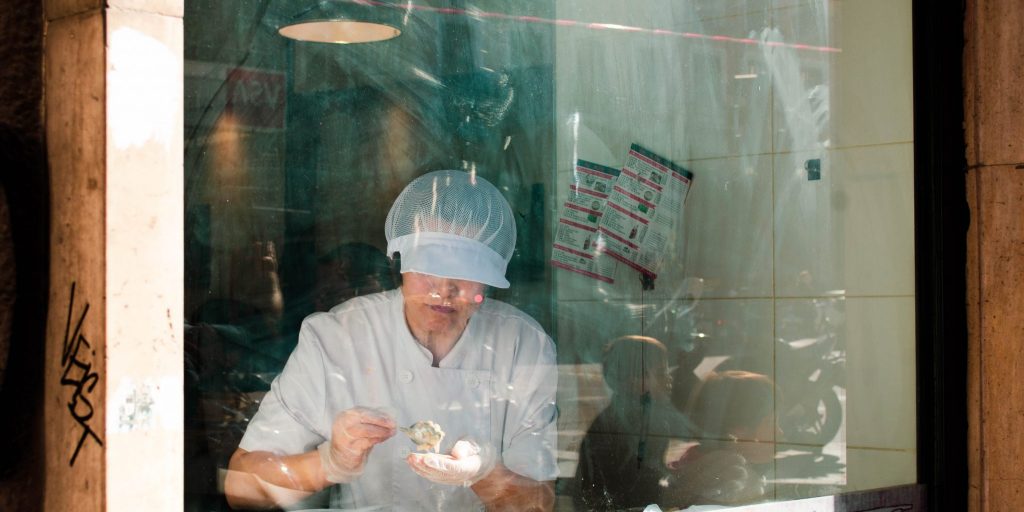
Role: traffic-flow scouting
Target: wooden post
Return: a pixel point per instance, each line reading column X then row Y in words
column 113, row 388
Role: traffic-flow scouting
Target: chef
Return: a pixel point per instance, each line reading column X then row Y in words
column 436, row 349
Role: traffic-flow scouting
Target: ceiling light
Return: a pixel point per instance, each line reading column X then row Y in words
column 346, row 22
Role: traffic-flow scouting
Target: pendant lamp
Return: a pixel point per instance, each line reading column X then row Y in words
column 345, row 22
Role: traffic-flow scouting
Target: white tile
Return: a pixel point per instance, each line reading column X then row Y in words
column 584, row 327
column 710, row 9
column 882, row 383
column 858, row 95
column 801, row 78
column 873, row 80
column 582, row 395
column 665, row 14
column 619, row 87
column 873, row 469
column 778, row 4
column 582, row 10
column 726, row 241
column 805, row 21
column 650, row 14
column 676, row 94
column 727, row 90
column 850, row 232
column 803, row 473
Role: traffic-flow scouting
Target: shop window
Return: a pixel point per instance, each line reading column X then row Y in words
column 714, row 224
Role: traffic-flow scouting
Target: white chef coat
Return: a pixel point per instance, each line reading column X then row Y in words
column 497, row 385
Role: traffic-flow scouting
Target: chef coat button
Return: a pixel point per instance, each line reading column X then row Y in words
column 474, row 382
column 405, row 376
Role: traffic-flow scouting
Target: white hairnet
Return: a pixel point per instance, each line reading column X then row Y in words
column 452, row 224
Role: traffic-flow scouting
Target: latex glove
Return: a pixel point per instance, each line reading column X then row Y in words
column 466, row 465
column 720, row 476
column 354, row 433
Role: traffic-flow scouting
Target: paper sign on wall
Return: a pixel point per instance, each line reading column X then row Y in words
column 578, row 246
column 644, row 207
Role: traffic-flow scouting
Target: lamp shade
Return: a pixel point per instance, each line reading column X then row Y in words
column 344, row 22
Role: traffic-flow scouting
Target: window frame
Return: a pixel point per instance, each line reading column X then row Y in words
column 940, row 225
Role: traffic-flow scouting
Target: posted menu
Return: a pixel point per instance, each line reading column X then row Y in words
column 578, row 245
column 643, row 209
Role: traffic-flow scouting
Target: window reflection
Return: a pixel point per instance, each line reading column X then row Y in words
column 722, row 380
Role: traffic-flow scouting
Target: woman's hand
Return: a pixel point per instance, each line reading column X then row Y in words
column 354, row 433
column 476, row 465
column 467, row 463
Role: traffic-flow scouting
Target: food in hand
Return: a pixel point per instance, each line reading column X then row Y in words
column 426, row 434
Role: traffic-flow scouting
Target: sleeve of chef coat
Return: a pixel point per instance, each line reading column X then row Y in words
column 289, row 415
column 530, row 435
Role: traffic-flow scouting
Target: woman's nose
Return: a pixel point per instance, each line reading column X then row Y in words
column 446, row 288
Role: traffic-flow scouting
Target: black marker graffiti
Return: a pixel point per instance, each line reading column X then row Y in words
column 79, row 375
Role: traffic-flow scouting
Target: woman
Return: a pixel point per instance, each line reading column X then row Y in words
column 435, row 350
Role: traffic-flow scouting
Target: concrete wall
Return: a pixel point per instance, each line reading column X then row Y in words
column 994, row 102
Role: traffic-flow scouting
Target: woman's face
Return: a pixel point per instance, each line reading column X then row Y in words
column 438, row 305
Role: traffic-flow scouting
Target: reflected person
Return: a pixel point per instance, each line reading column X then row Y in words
column 622, row 457
column 348, row 271
column 435, row 349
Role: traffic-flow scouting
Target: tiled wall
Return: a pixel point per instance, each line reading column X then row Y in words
column 763, row 247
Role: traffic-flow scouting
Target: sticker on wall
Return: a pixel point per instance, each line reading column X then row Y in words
column 578, row 245
column 644, row 208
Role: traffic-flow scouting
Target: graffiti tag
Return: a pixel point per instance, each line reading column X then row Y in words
column 78, row 375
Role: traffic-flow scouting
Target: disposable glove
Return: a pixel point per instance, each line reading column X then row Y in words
column 354, row 433
column 467, row 464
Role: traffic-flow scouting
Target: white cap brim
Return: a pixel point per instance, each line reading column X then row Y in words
column 450, row 256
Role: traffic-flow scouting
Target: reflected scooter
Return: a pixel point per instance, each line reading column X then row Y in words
column 809, row 365
column 810, row 375
column 812, row 411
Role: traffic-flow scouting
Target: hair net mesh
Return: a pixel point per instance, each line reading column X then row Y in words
column 455, row 203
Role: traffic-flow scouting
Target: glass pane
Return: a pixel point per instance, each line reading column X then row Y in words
column 711, row 295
